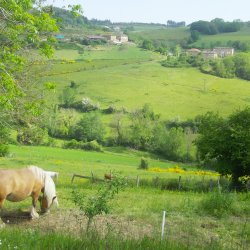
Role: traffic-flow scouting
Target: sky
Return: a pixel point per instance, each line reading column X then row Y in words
column 159, row 11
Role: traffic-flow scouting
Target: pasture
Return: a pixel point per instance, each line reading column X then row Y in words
column 136, row 212
column 128, row 77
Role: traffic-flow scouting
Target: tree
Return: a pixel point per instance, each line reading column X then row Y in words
column 89, row 128
column 25, row 27
column 227, row 142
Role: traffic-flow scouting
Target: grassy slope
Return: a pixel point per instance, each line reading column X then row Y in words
column 164, row 34
column 242, row 35
column 130, row 77
column 185, row 223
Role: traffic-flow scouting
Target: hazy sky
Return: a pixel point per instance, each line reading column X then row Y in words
column 159, row 11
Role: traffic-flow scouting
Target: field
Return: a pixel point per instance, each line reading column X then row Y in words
column 174, row 93
column 173, row 36
column 136, row 212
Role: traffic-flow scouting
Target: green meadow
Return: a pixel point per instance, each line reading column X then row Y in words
column 136, row 212
column 129, row 77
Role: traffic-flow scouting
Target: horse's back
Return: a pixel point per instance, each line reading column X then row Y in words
column 16, row 184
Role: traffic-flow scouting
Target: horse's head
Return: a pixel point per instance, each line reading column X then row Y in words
column 49, row 195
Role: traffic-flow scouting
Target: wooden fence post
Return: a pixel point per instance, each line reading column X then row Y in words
column 210, row 185
column 137, row 181
column 179, row 183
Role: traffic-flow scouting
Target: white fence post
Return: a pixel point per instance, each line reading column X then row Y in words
column 163, row 224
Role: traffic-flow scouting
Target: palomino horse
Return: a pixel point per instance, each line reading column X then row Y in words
column 18, row 184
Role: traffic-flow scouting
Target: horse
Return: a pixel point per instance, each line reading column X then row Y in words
column 18, row 184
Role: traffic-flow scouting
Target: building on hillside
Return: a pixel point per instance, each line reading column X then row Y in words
column 193, row 52
column 209, row 54
column 122, row 38
column 95, row 38
column 224, row 51
column 111, row 38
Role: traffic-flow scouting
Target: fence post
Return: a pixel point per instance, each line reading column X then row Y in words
column 210, row 185
column 179, row 183
column 92, row 176
column 73, row 177
column 137, row 181
column 163, row 224
column 219, row 186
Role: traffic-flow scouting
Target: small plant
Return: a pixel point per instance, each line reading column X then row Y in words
column 218, row 204
column 99, row 203
column 92, row 146
column 144, row 163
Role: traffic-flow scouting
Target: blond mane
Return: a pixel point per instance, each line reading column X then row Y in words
column 49, row 185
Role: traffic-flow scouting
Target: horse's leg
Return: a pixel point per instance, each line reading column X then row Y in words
column 1, row 206
column 33, row 212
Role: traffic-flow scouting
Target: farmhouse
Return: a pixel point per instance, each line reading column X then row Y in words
column 224, row 51
column 111, row 38
column 122, row 38
column 209, row 54
column 95, row 38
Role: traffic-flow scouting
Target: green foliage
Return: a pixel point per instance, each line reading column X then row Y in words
column 227, row 141
column 144, row 163
column 147, row 44
column 23, row 28
column 218, row 204
column 217, row 25
column 168, row 142
column 32, row 135
column 68, row 96
column 4, row 139
column 91, row 146
column 99, row 203
column 89, row 128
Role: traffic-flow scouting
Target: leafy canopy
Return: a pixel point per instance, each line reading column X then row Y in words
column 227, row 141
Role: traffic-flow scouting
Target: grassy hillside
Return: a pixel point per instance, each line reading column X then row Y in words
column 166, row 35
column 222, row 39
column 136, row 212
column 130, row 77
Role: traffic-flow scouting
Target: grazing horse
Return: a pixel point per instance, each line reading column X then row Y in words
column 18, row 184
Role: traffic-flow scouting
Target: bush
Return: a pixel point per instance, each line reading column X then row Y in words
column 144, row 163
column 4, row 139
column 218, row 204
column 89, row 128
column 4, row 150
column 72, row 144
column 31, row 136
column 92, row 145
column 86, row 105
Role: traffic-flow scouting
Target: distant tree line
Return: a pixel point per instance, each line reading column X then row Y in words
column 173, row 24
column 216, row 26
column 228, row 67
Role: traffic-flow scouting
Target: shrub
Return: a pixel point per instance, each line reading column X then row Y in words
column 71, row 144
column 89, row 128
column 144, row 163
column 92, row 145
column 86, row 105
column 31, row 136
column 4, row 139
column 218, row 204
column 4, row 150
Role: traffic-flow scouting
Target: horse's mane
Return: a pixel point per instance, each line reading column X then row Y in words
column 49, row 185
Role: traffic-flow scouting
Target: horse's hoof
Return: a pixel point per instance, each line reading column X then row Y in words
column 34, row 216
